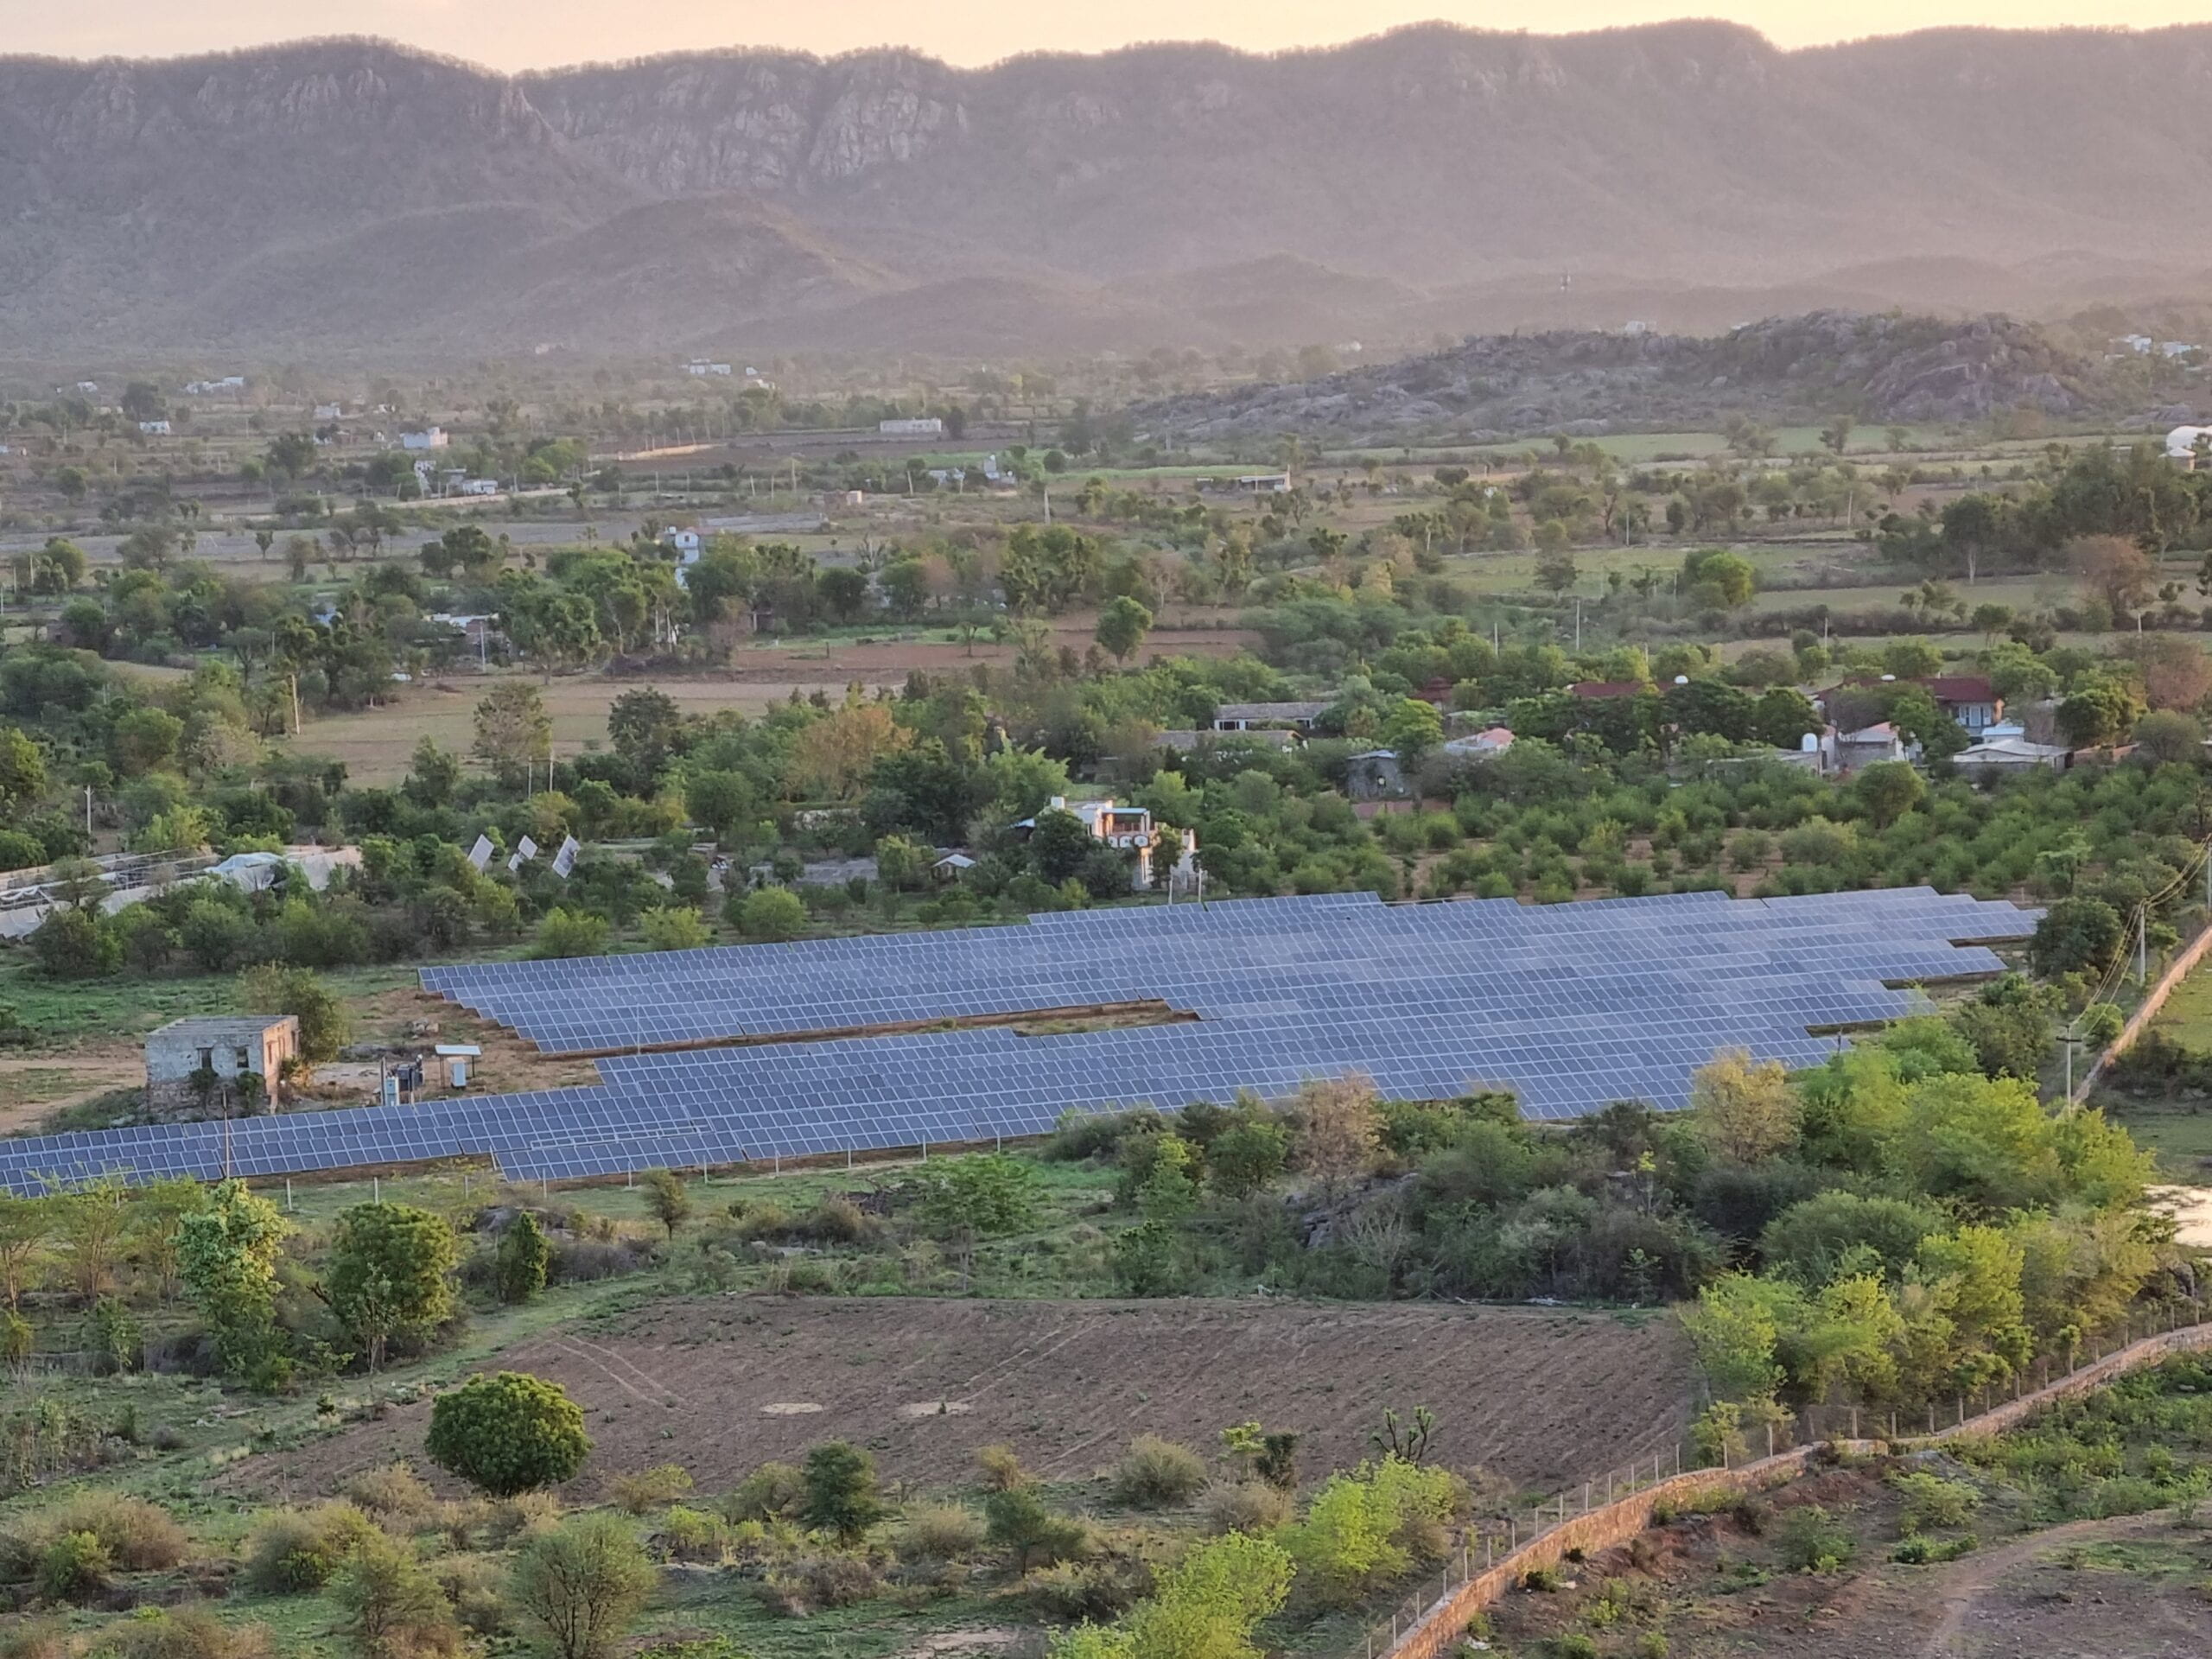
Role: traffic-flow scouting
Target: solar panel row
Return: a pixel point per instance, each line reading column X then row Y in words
column 1569, row 1006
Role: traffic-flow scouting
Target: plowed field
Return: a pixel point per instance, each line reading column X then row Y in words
column 721, row 1384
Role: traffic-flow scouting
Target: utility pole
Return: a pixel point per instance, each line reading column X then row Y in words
column 2142, row 946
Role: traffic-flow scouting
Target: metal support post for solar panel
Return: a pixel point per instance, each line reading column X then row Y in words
column 288, row 1194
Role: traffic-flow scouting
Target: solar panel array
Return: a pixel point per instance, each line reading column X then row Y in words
column 1569, row 1006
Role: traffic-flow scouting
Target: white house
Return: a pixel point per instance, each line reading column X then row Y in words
column 701, row 369
column 479, row 486
column 920, row 426
column 430, row 437
column 686, row 542
column 329, row 411
column 154, row 428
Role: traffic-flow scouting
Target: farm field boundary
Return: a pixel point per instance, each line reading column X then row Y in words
column 1435, row 1628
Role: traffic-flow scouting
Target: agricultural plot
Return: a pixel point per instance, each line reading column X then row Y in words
column 723, row 1385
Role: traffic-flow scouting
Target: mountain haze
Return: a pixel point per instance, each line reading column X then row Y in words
column 349, row 196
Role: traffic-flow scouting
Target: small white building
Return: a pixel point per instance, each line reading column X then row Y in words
column 2181, row 443
column 430, row 437
column 479, row 486
column 153, row 428
column 685, row 541
column 917, row 426
column 329, row 411
column 700, row 369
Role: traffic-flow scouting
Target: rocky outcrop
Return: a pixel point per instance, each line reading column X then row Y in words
column 1791, row 370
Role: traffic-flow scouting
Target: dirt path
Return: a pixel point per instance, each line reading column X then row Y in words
column 1980, row 1573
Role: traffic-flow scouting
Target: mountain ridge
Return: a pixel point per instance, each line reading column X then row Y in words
column 1430, row 162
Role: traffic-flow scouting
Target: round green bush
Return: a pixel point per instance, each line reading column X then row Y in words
column 508, row 1434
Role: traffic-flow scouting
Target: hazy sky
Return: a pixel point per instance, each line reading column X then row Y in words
column 530, row 34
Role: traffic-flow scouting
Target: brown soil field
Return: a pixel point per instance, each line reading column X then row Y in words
column 375, row 745
column 721, row 1384
column 2130, row 1587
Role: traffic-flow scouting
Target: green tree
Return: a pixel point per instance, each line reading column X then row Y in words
column 2076, row 935
column 2099, row 712
column 583, row 1584
column 508, row 1434
column 1888, row 789
column 513, row 731
column 1744, row 1109
column 565, row 932
column 673, row 927
column 1121, row 627
column 1247, row 1155
column 433, row 774
column 325, row 1025
column 769, row 914
column 73, row 945
column 1059, row 844
column 226, row 1256
column 1713, row 577
column 519, row 1265
column 392, row 1600
column 841, row 1493
column 985, row 1195
column 391, row 1272
column 668, row 1198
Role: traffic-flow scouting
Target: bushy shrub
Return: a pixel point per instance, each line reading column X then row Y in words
column 472, row 1589
column 939, row 1532
column 1017, row 1521
column 1247, row 1506
column 772, row 1492
column 395, row 1495
column 138, row 1536
column 507, row 1434
column 1155, row 1473
column 1810, row 1540
column 296, row 1550
column 1096, row 1591
column 188, row 1633
column 1932, row 1501
column 524, row 1515
column 650, row 1488
column 820, row 1582
column 689, row 1535
column 1001, row 1468
column 393, row 1604
column 74, row 1567
column 580, row 1584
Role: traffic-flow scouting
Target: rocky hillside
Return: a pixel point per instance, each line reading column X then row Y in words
column 345, row 195
column 1793, row 370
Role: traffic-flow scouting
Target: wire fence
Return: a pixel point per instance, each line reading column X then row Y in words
column 1492, row 1540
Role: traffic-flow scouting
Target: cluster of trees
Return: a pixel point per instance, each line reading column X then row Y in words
column 1937, row 1122
column 214, row 1279
column 1918, row 1231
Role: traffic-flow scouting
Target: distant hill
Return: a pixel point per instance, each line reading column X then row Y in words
column 1793, row 370
column 347, row 196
